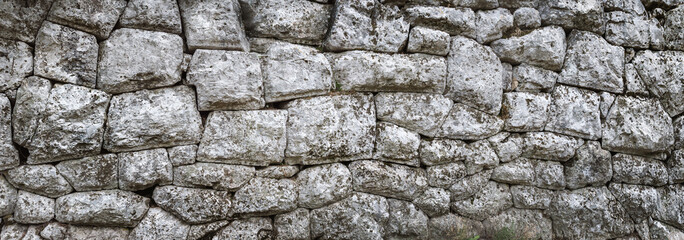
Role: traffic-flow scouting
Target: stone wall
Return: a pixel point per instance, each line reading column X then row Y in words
column 342, row 119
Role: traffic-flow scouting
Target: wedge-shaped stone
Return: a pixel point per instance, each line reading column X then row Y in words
column 534, row 79
column 663, row 74
column 633, row 83
column 429, row 41
column 584, row 15
column 66, row 55
column 591, row 62
column 293, row 225
column 216, row 176
column 29, row 108
column 226, row 80
column 256, row 138
column 527, row 224
column 250, row 228
column 21, row 20
column 455, row 21
column 330, row 129
column 639, row 201
column 159, row 224
column 405, row 220
column 638, row 170
column 588, row 213
column 591, row 166
column 114, row 208
column 153, row 118
column 154, row 15
column 144, row 169
column 97, row 17
column 293, row 71
column 550, row 146
column 387, row 179
column 491, row 200
column 543, row 47
column 265, row 196
column 475, row 75
column 525, row 111
column 298, row 21
column 9, row 155
column 530, row 197
column 91, row 173
column 575, row 112
column 419, row 112
column 467, row 123
column 366, row 25
column 213, row 24
column 637, row 126
column 380, row 72
column 33, row 209
column 8, row 197
column 442, row 151
column 396, row 144
column 135, row 59
column 39, row 179
column 194, row 205
column 324, row 184
column 370, row 213
column 16, row 63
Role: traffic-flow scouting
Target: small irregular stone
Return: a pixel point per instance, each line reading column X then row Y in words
column 97, row 18
column 526, row 18
column 324, row 184
column 639, row 170
column 193, row 205
column 387, row 179
column 9, row 155
column 265, row 196
column 405, row 220
column 445, row 175
column 199, row 231
column 530, row 197
column 33, row 209
column 455, row 21
column 467, row 123
column 670, row 206
column 524, row 111
column 16, row 63
column 370, row 212
column 543, row 47
column 66, row 55
column 182, row 155
column 21, row 20
column 434, row 202
column 284, row 171
column 672, row 29
column 584, row 15
column 8, row 197
column 534, row 79
column 469, row 185
column 639, row 201
column 396, row 144
column 492, row 24
column 520, row 171
column 294, row 71
column 507, row 147
column 550, row 146
column 526, row 224
column 593, row 63
column 159, row 224
column 99, row 172
column 29, row 108
column 144, row 169
column 217, row 176
column 637, row 126
column 213, row 24
column 429, row 41
column 39, row 179
column 549, row 175
column 491, row 200
column 442, row 151
column 591, row 166
column 575, row 112
column 250, row 228
column 114, row 208
column 293, row 225
column 420, row 112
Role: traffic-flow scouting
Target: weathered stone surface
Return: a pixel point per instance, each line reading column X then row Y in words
column 21, row 20
column 637, row 126
column 639, row 201
column 445, row 175
column 492, row 199
column 607, row 100
column 627, row 30
column 420, row 112
column 526, row 18
column 39, row 179
column 16, row 63
column 95, row 233
column 531, row 197
column 507, row 147
column 661, row 231
column 591, row 166
column 584, row 15
column 322, row 185
column 492, row 24
column 97, row 18
column 380, row 72
column 91, row 173
column 216, row 176
column 671, row 205
column 29, row 108
column 523, row 111
column 638, row 170
column 266, row 196
column 550, row 146
column 33, row 209
column 170, row 119
column 144, row 169
column 588, row 213
column 297, row 21
column 250, row 228
column 663, row 74
column 213, row 24
column 8, row 197
column 525, row 224
column 482, row 156
column 226, row 80
column 200, row 231
column 455, row 21
column 543, row 47
column 293, row 225
column 469, row 185
column 330, row 129
column 592, row 62
column 15, row 231
column 389, row 180
column 71, row 125
column 575, row 112
column 114, row 208
column 520, row 171
column 442, row 151
column 9, row 155
column 370, row 213
column 549, row 174
column 294, row 71
column 396, row 144
column 366, row 25
column 467, row 123
column 256, row 138
column 452, row 226
column 182, row 155
column 405, row 220
column 66, row 55
column 429, row 41
column 135, row 59
column 154, row 15
column 534, row 79
column 633, row 83
column 159, row 224
column 277, row 172
column 433, row 202
column 673, row 29
column 475, row 75
column 194, row 205
column 675, row 166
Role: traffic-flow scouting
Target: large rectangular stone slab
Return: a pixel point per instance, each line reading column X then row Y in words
column 152, row 118
column 102, row 208
column 294, row 71
column 66, row 55
column 637, row 126
column 299, row 21
column 420, row 112
column 388, row 179
column 593, row 63
column 213, row 24
column 575, row 112
column 96, row 17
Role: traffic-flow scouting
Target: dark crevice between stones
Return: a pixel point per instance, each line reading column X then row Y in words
column 23, row 154
column 147, row 192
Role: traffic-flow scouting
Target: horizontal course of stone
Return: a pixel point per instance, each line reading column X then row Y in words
column 342, row 119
